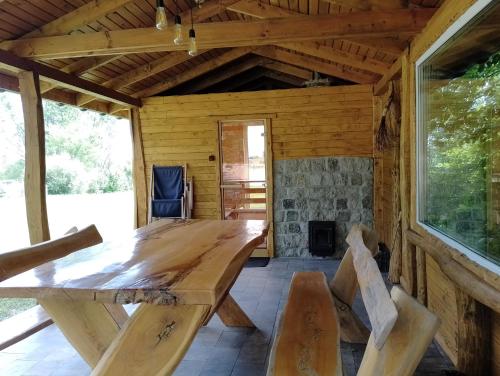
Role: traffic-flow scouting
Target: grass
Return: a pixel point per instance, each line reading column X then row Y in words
column 10, row 307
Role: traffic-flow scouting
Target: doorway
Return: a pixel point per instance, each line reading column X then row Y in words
column 246, row 174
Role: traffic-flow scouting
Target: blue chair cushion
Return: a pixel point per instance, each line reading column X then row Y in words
column 168, row 182
column 166, row 208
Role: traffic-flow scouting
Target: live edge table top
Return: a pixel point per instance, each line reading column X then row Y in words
column 166, row 262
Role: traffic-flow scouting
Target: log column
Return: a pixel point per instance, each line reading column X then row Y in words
column 139, row 171
column 473, row 336
column 34, row 175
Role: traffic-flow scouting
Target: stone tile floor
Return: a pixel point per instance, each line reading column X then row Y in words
column 216, row 350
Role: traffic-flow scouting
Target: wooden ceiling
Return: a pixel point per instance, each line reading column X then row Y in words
column 113, row 43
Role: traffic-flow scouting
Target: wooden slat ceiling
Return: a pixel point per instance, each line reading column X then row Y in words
column 19, row 18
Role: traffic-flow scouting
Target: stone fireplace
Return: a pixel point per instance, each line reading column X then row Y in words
column 336, row 189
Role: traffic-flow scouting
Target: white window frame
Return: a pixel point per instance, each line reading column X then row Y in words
column 475, row 9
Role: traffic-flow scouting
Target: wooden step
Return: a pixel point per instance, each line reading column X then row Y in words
column 21, row 326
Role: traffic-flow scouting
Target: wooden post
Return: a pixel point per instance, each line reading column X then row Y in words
column 139, row 171
column 408, row 276
column 34, row 176
column 473, row 336
column 421, row 276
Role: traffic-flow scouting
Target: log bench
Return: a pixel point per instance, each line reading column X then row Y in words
column 29, row 322
column 317, row 316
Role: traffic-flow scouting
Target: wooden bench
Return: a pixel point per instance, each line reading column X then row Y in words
column 307, row 341
column 29, row 322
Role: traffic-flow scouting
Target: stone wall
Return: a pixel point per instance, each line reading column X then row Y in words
column 331, row 189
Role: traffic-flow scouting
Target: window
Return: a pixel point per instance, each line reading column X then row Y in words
column 458, row 135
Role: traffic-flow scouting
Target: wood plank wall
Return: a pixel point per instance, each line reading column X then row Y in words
column 441, row 291
column 312, row 122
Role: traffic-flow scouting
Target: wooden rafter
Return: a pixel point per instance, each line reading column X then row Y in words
column 225, row 74
column 77, row 18
column 393, row 73
column 371, row 4
column 11, row 83
column 315, row 65
column 257, row 9
column 228, row 34
column 209, row 9
column 17, row 64
column 288, row 69
column 200, row 69
column 338, row 56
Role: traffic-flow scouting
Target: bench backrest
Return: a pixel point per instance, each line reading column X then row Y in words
column 402, row 328
column 21, row 260
column 407, row 342
column 380, row 308
column 344, row 284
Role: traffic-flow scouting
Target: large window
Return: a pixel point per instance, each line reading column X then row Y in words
column 458, row 128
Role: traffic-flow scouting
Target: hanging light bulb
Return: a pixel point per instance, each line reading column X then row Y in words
column 161, row 16
column 178, row 30
column 193, row 48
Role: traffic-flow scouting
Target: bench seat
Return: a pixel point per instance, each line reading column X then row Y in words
column 22, row 325
column 308, row 331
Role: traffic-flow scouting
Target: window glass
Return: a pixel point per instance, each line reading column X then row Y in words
column 459, row 136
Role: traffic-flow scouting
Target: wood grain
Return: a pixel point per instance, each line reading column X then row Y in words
column 231, row 314
column 381, row 310
column 153, row 342
column 407, row 342
column 309, row 326
column 167, row 262
column 34, row 174
column 88, row 326
column 15, row 262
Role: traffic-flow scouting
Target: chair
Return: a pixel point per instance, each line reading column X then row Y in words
column 171, row 193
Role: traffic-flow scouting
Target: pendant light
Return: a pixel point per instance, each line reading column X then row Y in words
column 178, row 27
column 161, row 16
column 193, row 48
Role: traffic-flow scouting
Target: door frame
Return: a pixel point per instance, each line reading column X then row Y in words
column 267, row 119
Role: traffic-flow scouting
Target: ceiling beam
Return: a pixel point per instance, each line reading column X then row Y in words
column 225, row 74
column 17, row 64
column 338, row 56
column 283, row 77
column 392, row 74
column 209, row 9
column 187, row 75
column 291, row 70
column 315, row 65
column 78, row 18
column 371, row 4
column 257, row 9
column 140, row 73
column 228, row 34
column 11, row 83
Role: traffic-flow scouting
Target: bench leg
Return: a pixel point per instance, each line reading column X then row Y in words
column 153, row 341
column 231, row 314
column 88, row 326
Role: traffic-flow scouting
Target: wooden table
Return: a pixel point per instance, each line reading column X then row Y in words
column 181, row 270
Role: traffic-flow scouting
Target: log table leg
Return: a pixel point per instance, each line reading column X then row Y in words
column 88, row 326
column 231, row 314
column 153, row 341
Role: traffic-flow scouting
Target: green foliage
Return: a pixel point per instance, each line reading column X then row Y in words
column 13, row 171
column 463, row 135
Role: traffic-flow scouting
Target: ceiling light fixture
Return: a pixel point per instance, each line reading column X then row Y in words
column 161, row 16
column 178, row 27
column 193, row 48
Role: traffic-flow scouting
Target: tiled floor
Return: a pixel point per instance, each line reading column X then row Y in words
column 216, row 350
